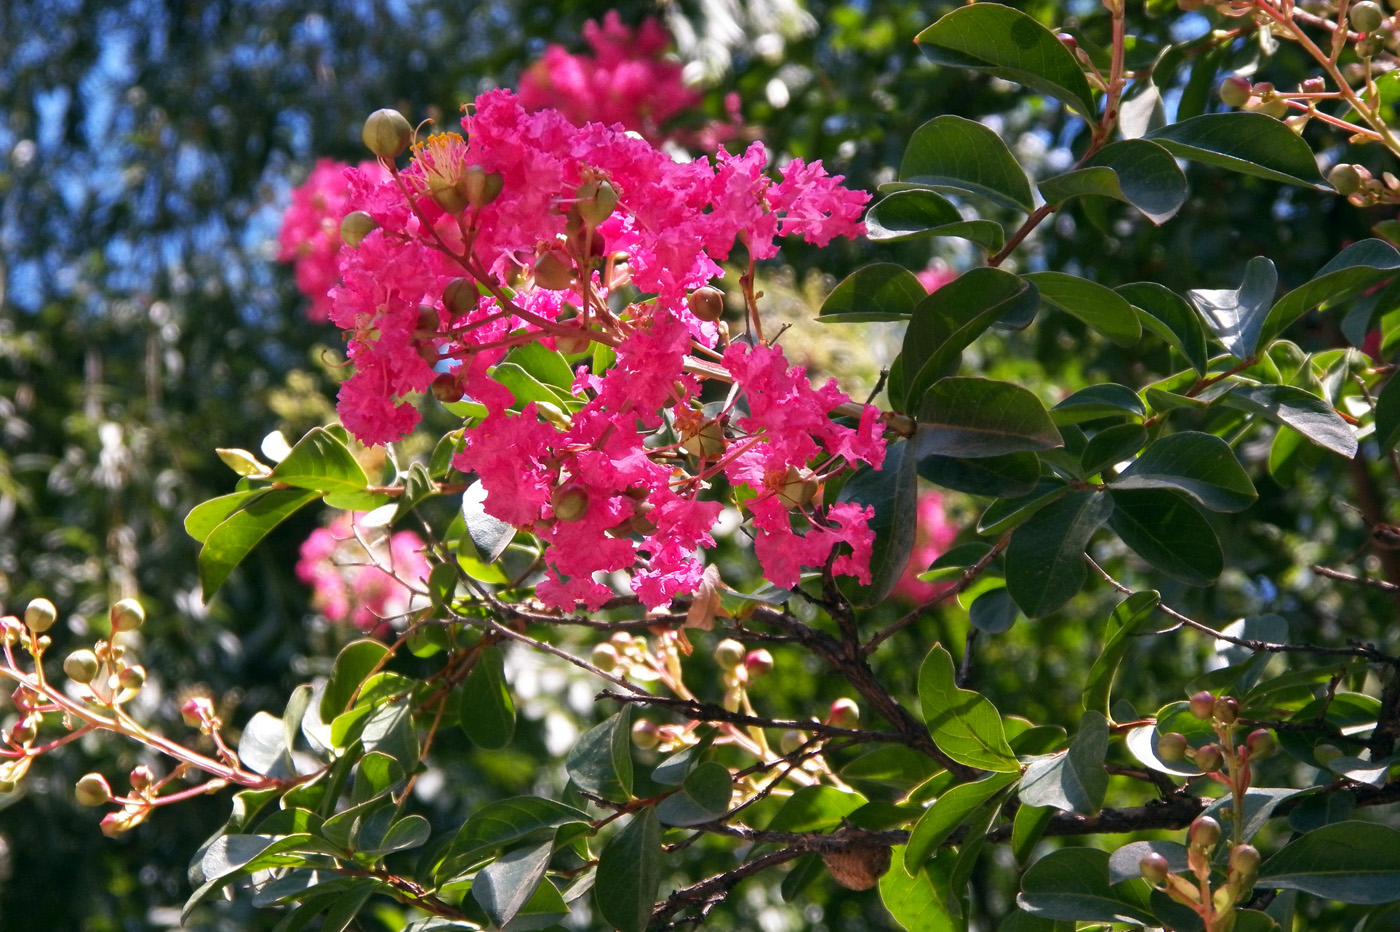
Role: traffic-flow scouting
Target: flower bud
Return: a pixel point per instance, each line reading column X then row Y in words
column 355, row 226
column 81, row 666
column 40, row 615
column 729, row 654
column 605, row 657
column 1267, row 101
column 460, row 297
column 1345, row 178
column 92, row 790
column 25, row 730
column 141, row 777
column 569, row 501
column 1261, row 743
column 552, row 271
column 196, row 711
column 1209, row 758
column 758, row 663
column 1202, row 705
column 126, row 615
column 1244, row 860
column 596, row 201
column 622, row 641
column 1235, row 91
column 645, row 734
column 1204, row 832
column 844, row 714
column 481, row 187
column 386, row 133
column 1154, row 867
column 1366, row 16
column 1226, row 710
column 447, row 388
column 799, row 487
column 706, row 303
column 132, row 678
column 1172, row 747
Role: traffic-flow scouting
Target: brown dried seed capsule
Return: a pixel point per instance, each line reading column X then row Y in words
column 858, row 867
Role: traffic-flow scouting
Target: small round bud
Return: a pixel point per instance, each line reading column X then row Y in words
column 1244, row 859
column 386, row 133
column 645, row 734
column 844, row 714
column 92, row 790
column 40, row 615
column 1209, row 758
column 799, row 487
column 706, row 303
column 447, row 388
column 1235, row 91
column 791, row 740
column 552, row 271
column 569, row 501
column 141, row 777
column 1154, row 867
column 729, row 654
column 596, row 202
column 1366, row 16
column 132, row 678
column 1261, row 743
column 196, row 711
column 481, row 187
column 1345, row 178
column 1326, row 753
column 622, row 641
column 1226, row 710
column 758, row 663
column 126, row 615
column 605, row 657
column 460, row 297
column 25, row 730
column 356, row 226
column 1172, row 747
column 1204, row 832
column 81, row 666
column 1202, row 705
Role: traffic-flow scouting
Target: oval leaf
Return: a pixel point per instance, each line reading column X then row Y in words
column 915, row 213
column 629, row 871
column 950, row 153
column 893, row 492
column 1248, row 143
column 1101, row 308
column 980, row 417
column 1073, row 883
column 1354, row 862
column 883, row 291
column 487, row 709
column 1134, row 171
column 964, row 724
column 1074, row 779
column 1303, row 411
column 1199, row 464
column 1236, row 316
column 1045, row 559
column 600, row 762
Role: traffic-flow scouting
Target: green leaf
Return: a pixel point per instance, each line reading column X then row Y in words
column 629, row 871
column 1199, row 464
column 490, row 535
column 1007, row 476
column 524, row 387
column 1074, row 779
column 804, row 870
column 1008, row 512
column 1133, row 171
column 1358, row 268
column 950, row 153
column 1101, row 308
column 815, row 809
column 971, row 417
column 389, row 730
column 951, row 810
column 950, row 319
column 1387, row 416
column 1027, row 828
column 1164, row 528
column 1259, row 806
column 1072, row 883
column 352, row 667
column 915, row 213
column 674, row 769
column 892, row 764
column 263, row 747
column 1248, row 143
column 487, row 709
column 503, row 823
column 1129, row 617
column 1111, row 446
column 600, row 762
column 923, row 902
column 704, row 797
column 502, row 887
column 346, row 906
column 409, row 832
column 546, row 365
column 226, row 546
column 993, row 612
column 1169, row 316
column 321, row 462
column 1097, row 401
column 1007, row 43
column 375, row 774
column 1045, row 559
column 964, row 724
column 542, row 910
column 206, row 516
column 1353, row 862
column 1303, row 411
column 883, row 291
column 1236, row 316
column 1123, row 864
column 893, row 492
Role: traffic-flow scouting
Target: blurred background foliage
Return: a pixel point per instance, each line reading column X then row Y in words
column 147, row 149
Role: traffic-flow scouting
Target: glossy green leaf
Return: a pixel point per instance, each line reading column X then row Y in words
column 1072, row 883
column 1074, row 779
column 524, row 387
column 964, row 724
column 263, row 747
column 1007, row 43
column 321, row 462
column 1201, row 465
column 1387, row 415
column 1244, row 142
column 893, row 492
column 1102, row 309
column 546, row 365
column 1303, row 411
column 543, row 910
column 968, row 417
column 411, row 831
column 951, row 810
column 804, row 870
column 487, row 708
column 914, row 213
column 1169, row 316
column 1353, row 862
column 815, row 809
column 1358, row 268
column 1008, row 512
column 1008, row 476
column 704, row 797
column 1097, row 401
column 206, row 516
column 893, row 765
column 232, row 540
column 1130, row 616
column 1133, row 171
column 923, row 902
column 502, row 887
column 1027, row 828
column 883, row 291
column 629, row 871
column 993, row 612
column 1111, row 446
column 1164, row 528
column 389, row 730
column 489, row 534
column 950, row 153
column 376, row 774
column 674, row 769
column 1124, row 864
column 1236, row 316
column 600, row 762
column 503, row 823
column 1259, row 806
column 353, row 665
column 1045, row 559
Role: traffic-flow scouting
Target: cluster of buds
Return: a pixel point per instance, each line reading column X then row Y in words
column 103, row 673
column 1262, row 97
column 1227, row 760
column 1361, row 188
column 1216, row 907
column 93, row 790
column 740, row 667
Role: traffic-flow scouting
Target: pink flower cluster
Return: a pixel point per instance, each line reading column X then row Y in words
column 531, row 236
column 362, row 575
column 626, row 80
column 310, row 234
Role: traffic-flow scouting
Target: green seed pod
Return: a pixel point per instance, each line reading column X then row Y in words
column 386, row 133
column 799, row 488
column 460, row 297
column 569, row 501
column 844, row 713
column 81, row 666
column 645, row 734
column 605, row 657
column 447, row 388
column 596, row 202
column 92, row 790
column 552, row 271
column 356, row 226
column 1202, row 705
column 40, row 615
column 1172, row 747
column 1345, row 178
column 126, row 615
column 1204, row 832
column 481, row 187
column 1366, row 16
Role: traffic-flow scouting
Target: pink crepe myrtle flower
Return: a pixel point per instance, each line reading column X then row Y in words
column 363, row 575
column 310, row 234
column 934, row 536
column 935, row 277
